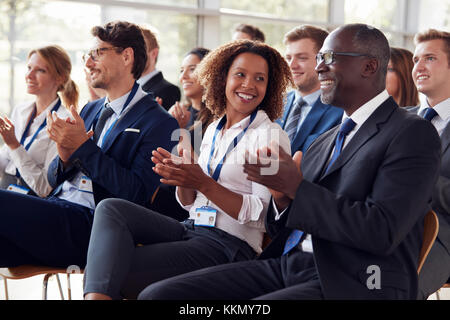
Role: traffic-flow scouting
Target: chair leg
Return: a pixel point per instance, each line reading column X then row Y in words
column 5, row 282
column 45, row 285
column 69, row 289
column 438, row 296
column 59, row 287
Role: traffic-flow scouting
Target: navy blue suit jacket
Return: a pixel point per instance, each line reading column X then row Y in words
column 321, row 118
column 368, row 208
column 122, row 168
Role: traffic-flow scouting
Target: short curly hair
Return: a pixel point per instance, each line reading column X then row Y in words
column 212, row 73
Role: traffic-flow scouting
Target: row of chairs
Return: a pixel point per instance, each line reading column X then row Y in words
column 431, row 228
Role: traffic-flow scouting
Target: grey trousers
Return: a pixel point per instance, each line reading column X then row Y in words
column 435, row 271
column 132, row 247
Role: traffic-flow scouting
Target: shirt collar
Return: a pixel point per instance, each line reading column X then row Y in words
column 366, row 110
column 310, row 99
column 117, row 104
column 244, row 122
column 144, row 79
column 43, row 114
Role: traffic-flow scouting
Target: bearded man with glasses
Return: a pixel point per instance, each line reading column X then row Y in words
column 103, row 152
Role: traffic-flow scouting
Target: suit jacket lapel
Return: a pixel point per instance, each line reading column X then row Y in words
column 128, row 119
column 88, row 121
column 369, row 128
column 445, row 138
column 318, row 160
column 289, row 102
column 317, row 111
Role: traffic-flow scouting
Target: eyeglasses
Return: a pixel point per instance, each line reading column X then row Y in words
column 329, row 56
column 94, row 54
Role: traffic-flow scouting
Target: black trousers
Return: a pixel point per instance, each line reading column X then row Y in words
column 132, row 247
column 288, row 277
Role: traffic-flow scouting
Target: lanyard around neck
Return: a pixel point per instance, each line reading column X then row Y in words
column 232, row 145
column 42, row 126
column 127, row 102
column 27, row 129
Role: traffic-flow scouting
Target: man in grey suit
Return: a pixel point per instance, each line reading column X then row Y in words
column 431, row 74
column 356, row 205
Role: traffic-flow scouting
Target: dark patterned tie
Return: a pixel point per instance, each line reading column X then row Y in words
column 430, row 113
column 104, row 115
column 292, row 120
column 294, row 238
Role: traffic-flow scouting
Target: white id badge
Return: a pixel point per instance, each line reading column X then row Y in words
column 18, row 189
column 85, row 184
column 205, row 217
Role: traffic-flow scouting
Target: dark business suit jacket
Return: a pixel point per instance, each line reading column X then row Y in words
column 441, row 195
column 321, row 118
column 435, row 265
column 122, row 168
column 368, row 209
column 160, row 87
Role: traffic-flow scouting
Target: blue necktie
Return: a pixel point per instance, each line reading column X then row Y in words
column 292, row 241
column 430, row 113
column 344, row 130
column 294, row 238
column 292, row 120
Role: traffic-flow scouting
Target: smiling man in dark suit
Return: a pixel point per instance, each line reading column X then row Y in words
column 349, row 223
column 431, row 74
column 152, row 80
column 305, row 117
column 105, row 152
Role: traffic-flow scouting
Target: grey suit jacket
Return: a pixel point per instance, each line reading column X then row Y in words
column 368, row 209
column 441, row 194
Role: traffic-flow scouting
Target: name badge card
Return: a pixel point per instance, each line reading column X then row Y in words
column 85, row 184
column 18, row 189
column 205, row 216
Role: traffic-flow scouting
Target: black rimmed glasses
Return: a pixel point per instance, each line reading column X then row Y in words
column 329, row 56
column 94, row 54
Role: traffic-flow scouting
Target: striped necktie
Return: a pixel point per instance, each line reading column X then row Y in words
column 293, row 118
column 104, row 115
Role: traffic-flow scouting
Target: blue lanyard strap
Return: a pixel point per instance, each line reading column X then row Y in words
column 42, row 126
column 27, row 129
column 232, row 145
column 127, row 102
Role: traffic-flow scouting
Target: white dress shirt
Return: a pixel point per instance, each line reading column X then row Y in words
column 359, row 117
column 250, row 223
column 443, row 114
column 70, row 188
column 32, row 164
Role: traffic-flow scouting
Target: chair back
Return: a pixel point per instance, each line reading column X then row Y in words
column 430, row 231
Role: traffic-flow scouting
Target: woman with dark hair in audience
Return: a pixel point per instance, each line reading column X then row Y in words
column 28, row 150
column 132, row 247
column 192, row 115
column 399, row 81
